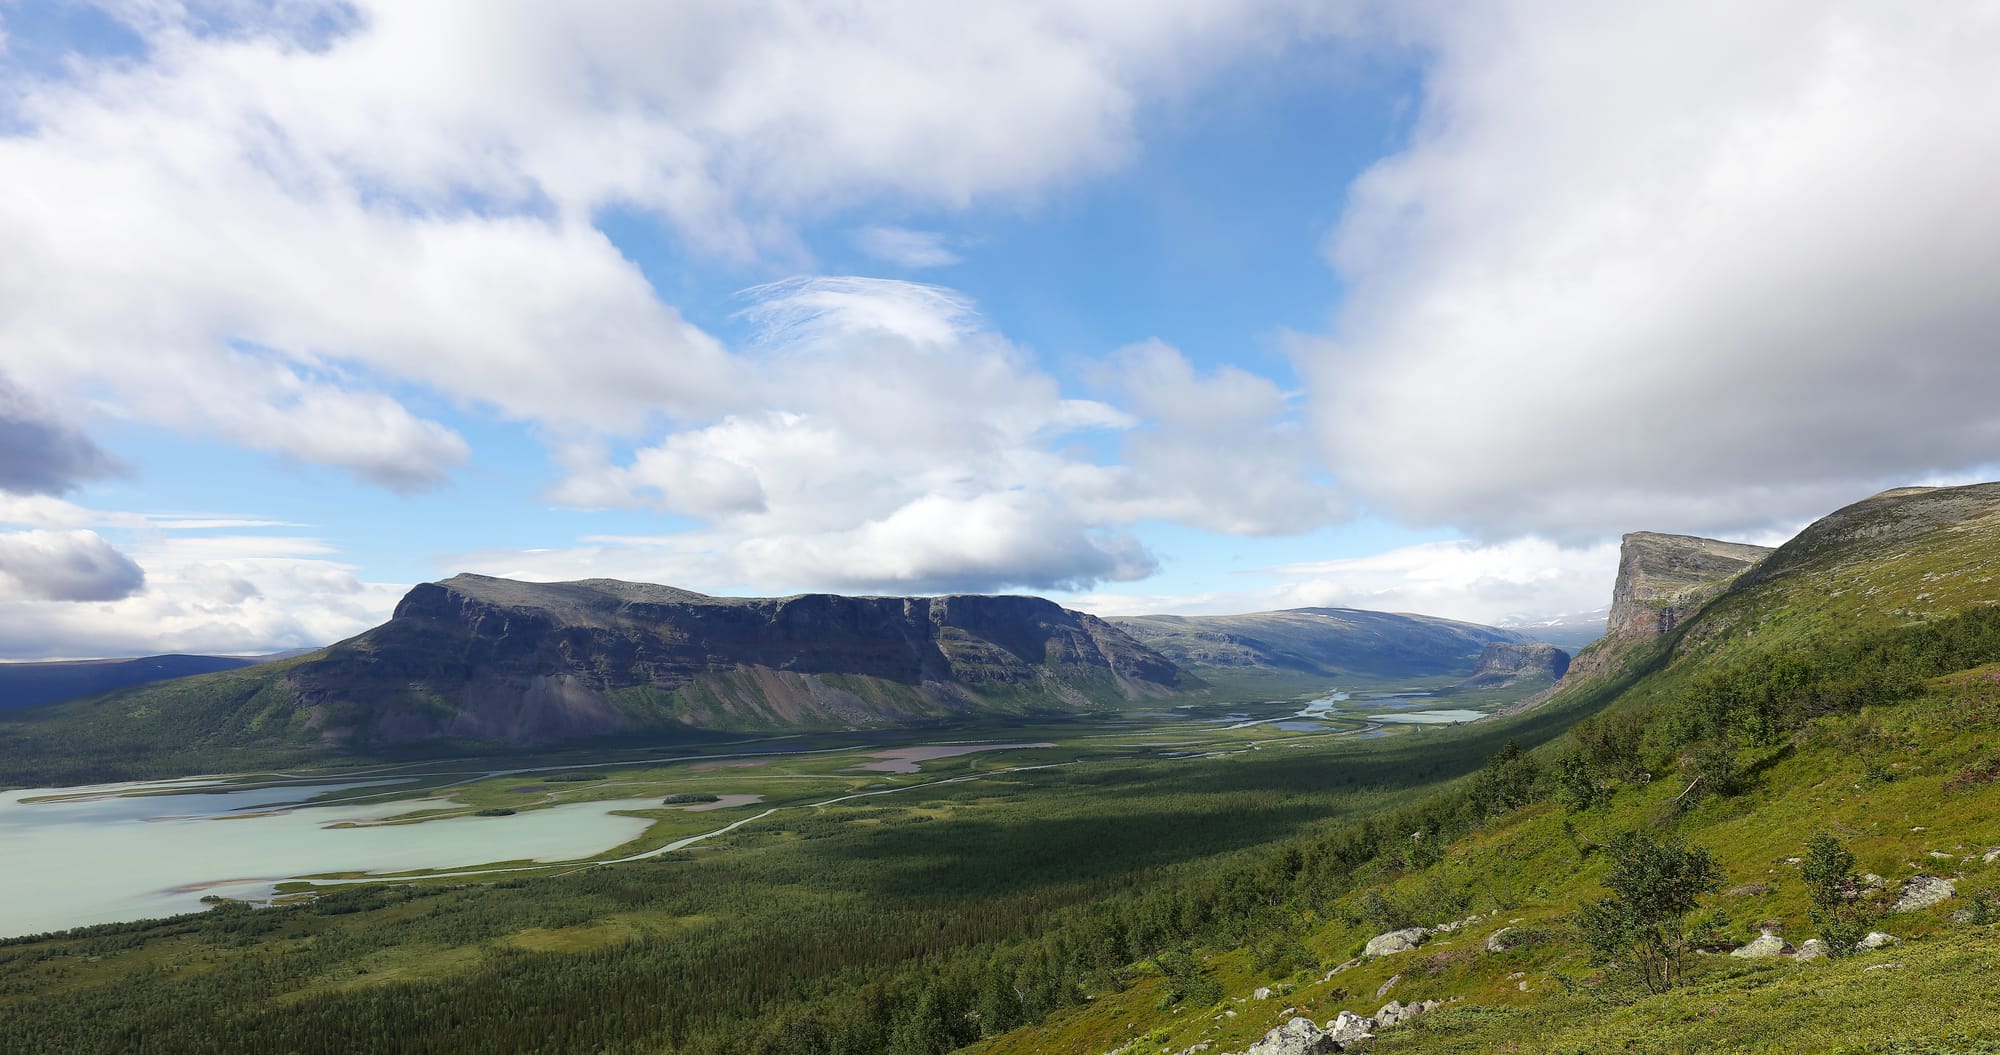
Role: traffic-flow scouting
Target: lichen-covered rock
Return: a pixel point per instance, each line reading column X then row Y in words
column 1876, row 939
column 1765, row 945
column 1923, row 892
column 1350, row 1028
column 1396, row 941
column 1497, row 941
column 1810, row 949
column 1262, row 993
column 1296, row 1037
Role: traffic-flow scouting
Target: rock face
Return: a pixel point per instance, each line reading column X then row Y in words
column 1502, row 664
column 489, row 659
column 1923, row 892
column 1662, row 579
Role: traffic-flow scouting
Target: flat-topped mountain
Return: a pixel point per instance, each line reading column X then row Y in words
column 481, row 658
column 1662, row 579
column 1320, row 642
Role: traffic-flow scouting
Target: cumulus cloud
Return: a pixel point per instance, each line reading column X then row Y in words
column 204, row 593
column 902, row 445
column 1497, row 583
column 38, row 454
column 905, row 248
column 1221, row 450
column 1680, row 267
column 66, row 566
column 339, row 202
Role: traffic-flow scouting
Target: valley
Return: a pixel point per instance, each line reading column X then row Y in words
column 113, row 853
column 1414, row 858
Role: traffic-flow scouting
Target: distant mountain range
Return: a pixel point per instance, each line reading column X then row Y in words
column 33, row 684
column 477, row 662
column 1319, row 643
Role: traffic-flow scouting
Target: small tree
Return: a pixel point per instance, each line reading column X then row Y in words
column 1511, row 779
column 1837, row 910
column 1656, row 883
column 1576, row 785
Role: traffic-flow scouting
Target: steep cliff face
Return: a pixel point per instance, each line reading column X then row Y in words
column 1663, row 579
column 490, row 659
column 1502, row 664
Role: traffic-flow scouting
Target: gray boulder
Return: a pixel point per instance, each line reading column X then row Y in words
column 1876, row 940
column 1765, row 945
column 1923, row 892
column 1396, row 941
column 1350, row 1028
column 1810, row 949
column 1497, row 941
column 1297, row 1037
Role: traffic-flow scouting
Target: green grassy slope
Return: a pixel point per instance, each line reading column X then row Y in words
column 1846, row 687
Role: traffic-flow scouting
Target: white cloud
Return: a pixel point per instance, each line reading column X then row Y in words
column 241, row 593
column 65, row 566
column 1495, row 584
column 1220, row 450
column 889, row 411
column 1681, row 267
column 330, row 216
column 904, row 247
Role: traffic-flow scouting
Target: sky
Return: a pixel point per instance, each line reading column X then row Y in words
column 1164, row 306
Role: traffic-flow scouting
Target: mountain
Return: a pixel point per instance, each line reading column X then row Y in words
column 1504, row 664
column 33, row 684
column 490, row 659
column 474, row 660
column 1662, row 579
column 1816, row 722
column 1318, row 643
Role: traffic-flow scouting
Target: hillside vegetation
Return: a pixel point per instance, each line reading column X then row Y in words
column 1812, row 754
column 1821, row 733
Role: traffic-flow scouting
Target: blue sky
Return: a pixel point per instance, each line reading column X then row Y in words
column 1178, row 307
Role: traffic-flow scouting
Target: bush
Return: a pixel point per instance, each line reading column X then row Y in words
column 1656, row 884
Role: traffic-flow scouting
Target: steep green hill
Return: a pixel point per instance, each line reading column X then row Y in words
column 1846, row 686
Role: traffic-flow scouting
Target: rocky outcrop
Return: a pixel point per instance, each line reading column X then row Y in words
column 1396, row 941
column 1347, row 1032
column 1764, row 946
column 1923, row 892
column 1502, row 664
column 480, row 658
column 1662, row 579
column 1297, row 1037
